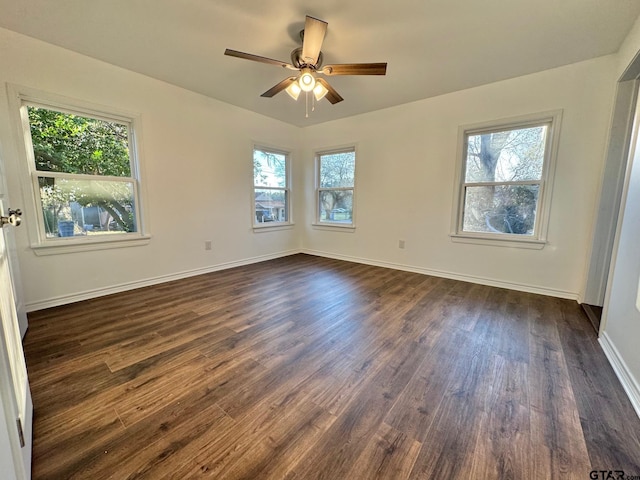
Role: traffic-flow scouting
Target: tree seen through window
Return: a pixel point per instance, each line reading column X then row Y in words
column 76, row 158
column 502, row 179
column 336, row 184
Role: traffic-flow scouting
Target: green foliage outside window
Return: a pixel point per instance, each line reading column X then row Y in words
column 73, row 144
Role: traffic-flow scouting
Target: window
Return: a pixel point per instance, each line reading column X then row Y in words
column 83, row 173
column 505, row 180
column 335, row 187
column 270, row 188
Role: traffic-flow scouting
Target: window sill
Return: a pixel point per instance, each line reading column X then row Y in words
column 507, row 241
column 272, row 227
column 83, row 244
column 349, row 228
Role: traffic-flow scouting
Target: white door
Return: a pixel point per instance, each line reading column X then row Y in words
column 17, row 408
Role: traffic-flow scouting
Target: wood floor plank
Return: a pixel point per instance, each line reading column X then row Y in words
column 389, row 454
column 141, row 401
column 223, row 454
column 162, row 455
column 449, row 439
column 602, row 403
column 306, row 367
column 344, row 441
column 146, row 444
column 295, row 433
column 146, row 379
column 418, row 404
column 557, row 439
column 502, row 445
column 54, row 449
column 292, row 370
column 123, row 356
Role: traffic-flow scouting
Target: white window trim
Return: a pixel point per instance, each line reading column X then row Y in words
column 328, row 225
column 19, row 98
column 272, row 226
column 539, row 239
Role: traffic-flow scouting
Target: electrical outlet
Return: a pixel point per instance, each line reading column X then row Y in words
column 401, row 244
column 207, row 245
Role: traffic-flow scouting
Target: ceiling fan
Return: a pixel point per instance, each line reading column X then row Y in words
column 307, row 60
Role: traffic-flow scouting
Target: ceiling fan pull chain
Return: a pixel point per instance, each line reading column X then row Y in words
column 306, row 104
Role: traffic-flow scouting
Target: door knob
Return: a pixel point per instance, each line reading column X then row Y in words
column 13, row 218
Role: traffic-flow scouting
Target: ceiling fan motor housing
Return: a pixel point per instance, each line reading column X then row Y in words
column 298, row 61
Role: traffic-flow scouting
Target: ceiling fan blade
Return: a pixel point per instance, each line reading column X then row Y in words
column 279, row 87
column 258, row 58
column 355, row 69
column 314, row 32
column 333, row 96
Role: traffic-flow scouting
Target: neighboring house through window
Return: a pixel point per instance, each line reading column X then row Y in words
column 505, row 176
column 335, row 187
column 271, row 190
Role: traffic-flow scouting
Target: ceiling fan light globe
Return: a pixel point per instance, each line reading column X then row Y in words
column 307, row 81
column 319, row 91
column 293, row 90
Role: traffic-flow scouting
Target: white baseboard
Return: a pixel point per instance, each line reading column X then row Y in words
column 453, row 276
column 629, row 383
column 99, row 292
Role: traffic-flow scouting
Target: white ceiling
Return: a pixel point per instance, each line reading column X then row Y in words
column 431, row 46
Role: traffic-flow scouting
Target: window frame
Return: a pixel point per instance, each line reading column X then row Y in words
column 267, row 226
column 318, row 189
column 539, row 238
column 20, row 99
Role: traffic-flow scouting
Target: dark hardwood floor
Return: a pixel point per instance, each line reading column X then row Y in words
column 306, row 368
column 594, row 314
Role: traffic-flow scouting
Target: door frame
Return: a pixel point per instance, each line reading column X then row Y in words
column 613, row 177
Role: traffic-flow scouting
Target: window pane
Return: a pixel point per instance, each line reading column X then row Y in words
column 501, row 209
column 337, row 169
column 336, row 206
column 271, row 206
column 506, row 156
column 269, row 169
column 63, row 142
column 86, row 207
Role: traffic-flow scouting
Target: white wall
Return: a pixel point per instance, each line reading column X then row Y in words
column 621, row 319
column 405, row 178
column 197, row 155
column 198, row 159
